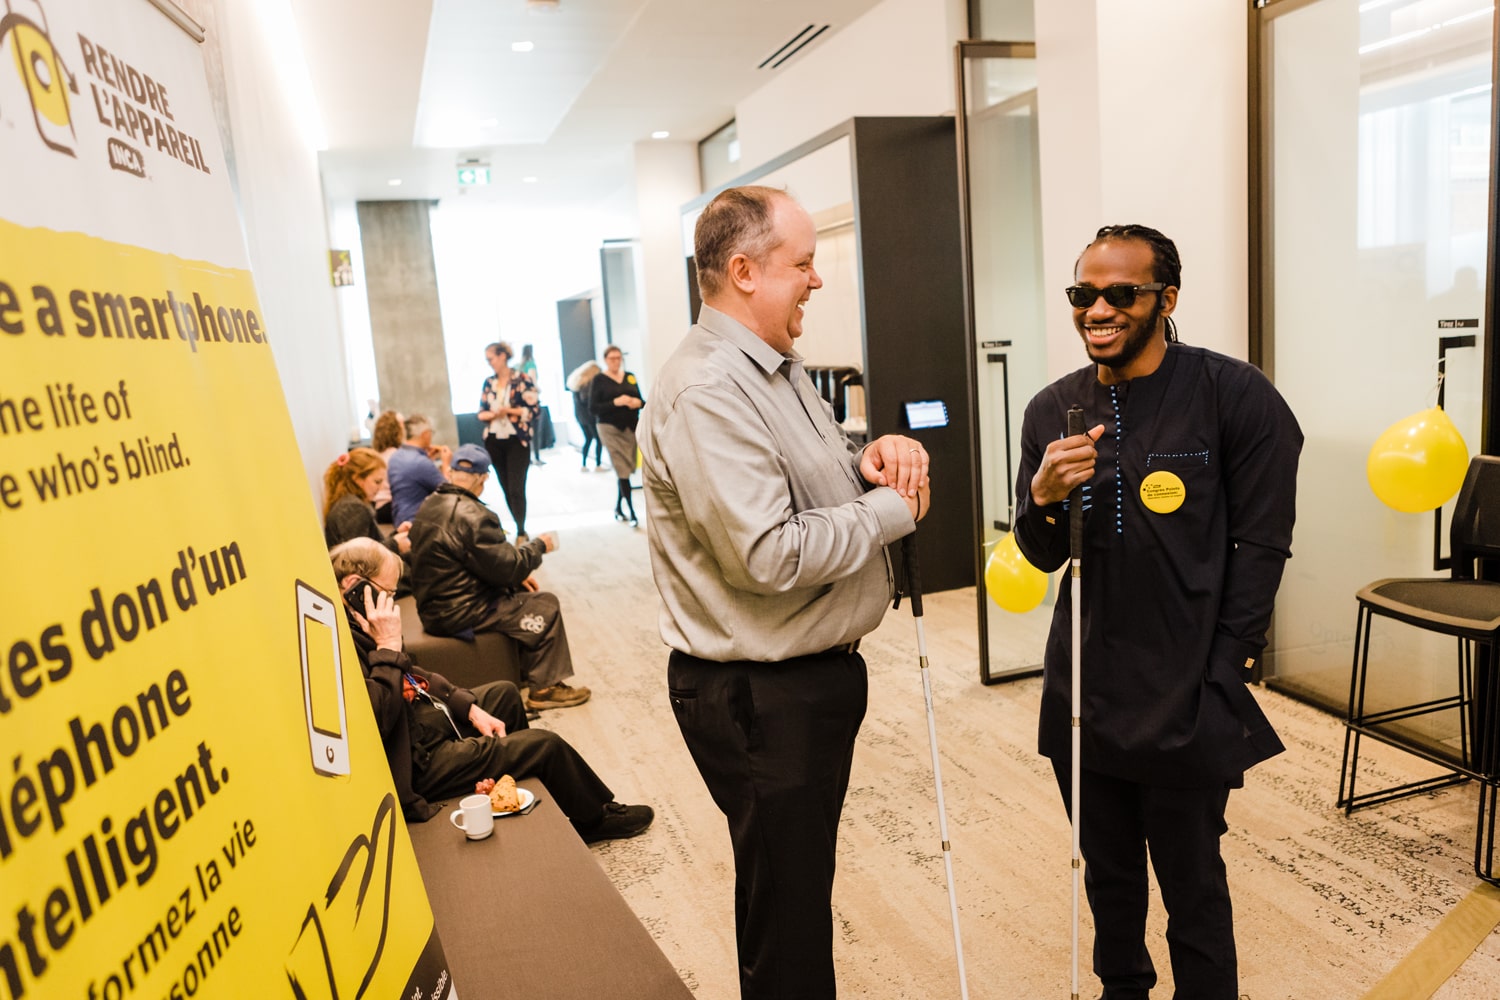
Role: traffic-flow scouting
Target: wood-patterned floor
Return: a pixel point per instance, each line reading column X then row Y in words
column 1325, row 905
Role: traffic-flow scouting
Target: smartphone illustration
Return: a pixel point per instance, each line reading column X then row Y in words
column 322, row 681
column 46, row 79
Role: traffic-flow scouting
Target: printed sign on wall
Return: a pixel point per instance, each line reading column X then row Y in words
column 194, row 800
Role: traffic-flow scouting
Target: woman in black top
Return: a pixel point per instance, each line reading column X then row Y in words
column 616, row 401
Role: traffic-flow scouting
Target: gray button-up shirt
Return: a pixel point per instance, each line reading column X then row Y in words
column 766, row 543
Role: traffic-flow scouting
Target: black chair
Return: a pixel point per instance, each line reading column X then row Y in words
column 1460, row 605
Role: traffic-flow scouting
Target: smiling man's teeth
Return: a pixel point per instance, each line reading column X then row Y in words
column 1104, row 332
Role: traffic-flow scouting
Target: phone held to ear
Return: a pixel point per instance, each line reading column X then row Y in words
column 355, row 595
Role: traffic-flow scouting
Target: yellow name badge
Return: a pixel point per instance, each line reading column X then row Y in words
column 1162, row 492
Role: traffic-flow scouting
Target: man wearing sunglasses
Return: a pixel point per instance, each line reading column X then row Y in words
column 1188, row 477
column 440, row 739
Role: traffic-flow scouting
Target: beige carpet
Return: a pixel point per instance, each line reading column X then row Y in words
column 1325, row 905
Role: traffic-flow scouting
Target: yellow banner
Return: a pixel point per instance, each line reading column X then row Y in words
column 194, row 800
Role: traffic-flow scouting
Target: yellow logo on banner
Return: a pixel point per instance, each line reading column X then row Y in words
column 43, row 74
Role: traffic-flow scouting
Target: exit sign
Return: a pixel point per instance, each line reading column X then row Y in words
column 473, row 176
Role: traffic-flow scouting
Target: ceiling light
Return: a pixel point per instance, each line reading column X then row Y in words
column 394, row 182
column 660, row 135
column 543, row 6
column 528, row 180
column 522, row 46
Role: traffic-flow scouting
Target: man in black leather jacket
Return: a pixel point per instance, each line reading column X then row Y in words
column 468, row 578
column 440, row 739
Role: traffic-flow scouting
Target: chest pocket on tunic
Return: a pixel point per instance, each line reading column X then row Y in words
column 1175, row 478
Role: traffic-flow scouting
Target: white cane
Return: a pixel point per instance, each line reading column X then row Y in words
column 1075, row 547
column 914, row 589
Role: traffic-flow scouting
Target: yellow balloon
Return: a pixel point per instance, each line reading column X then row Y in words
column 1418, row 463
column 1011, row 581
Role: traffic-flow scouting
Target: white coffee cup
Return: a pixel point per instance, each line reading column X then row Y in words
column 474, row 817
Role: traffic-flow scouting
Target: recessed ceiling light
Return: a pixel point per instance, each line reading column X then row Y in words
column 394, row 182
column 528, row 180
column 521, row 46
column 660, row 135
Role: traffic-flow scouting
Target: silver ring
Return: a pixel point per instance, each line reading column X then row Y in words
column 915, row 451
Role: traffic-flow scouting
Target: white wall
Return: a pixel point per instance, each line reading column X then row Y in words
column 1142, row 106
column 666, row 176
column 895, row 60
column 361, row 376
column 501, row 272
column 281, row 205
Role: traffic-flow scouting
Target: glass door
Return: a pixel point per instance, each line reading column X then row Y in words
column 1374, row 171
column 1001, row 202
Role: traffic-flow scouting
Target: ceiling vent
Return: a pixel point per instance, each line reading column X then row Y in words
column 792, row 46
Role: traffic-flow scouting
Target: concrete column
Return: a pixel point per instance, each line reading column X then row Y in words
column 405, row 322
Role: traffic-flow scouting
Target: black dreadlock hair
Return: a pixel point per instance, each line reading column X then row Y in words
column 1166, row 266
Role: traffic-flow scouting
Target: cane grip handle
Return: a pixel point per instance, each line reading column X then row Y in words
column 1075, row 498
column 913, row 577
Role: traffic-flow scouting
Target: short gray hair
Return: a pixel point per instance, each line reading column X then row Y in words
column 359, row 557
column 415, row 425
column 466, row 480
column 741, row 220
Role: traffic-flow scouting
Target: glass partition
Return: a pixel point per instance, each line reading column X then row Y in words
column 1375, row 151
column 1002, row 222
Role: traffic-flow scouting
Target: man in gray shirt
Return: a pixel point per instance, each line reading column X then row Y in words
column 768, row 532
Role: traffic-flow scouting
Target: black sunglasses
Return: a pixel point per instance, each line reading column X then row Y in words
column 1118, row 296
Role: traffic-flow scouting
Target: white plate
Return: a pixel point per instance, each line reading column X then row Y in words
column 525, row 797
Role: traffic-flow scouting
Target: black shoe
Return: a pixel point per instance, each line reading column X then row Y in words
column 619, row 822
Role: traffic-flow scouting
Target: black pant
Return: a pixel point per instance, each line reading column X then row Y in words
column 774, row 742
column 512, row 460
column 451, row 767
column 591, row 437
column 534, row 621
column 1180, row 827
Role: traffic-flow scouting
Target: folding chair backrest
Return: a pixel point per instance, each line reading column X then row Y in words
column 1475, row 533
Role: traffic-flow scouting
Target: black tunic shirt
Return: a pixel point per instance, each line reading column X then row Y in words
column 1176, row 599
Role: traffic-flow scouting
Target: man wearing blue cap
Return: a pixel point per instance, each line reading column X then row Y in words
column 468, row 578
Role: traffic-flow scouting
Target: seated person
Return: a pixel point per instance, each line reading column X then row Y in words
column 440, row 739
column 467, row 578
column 384, row 440
column 416, row 469
column 350, row 486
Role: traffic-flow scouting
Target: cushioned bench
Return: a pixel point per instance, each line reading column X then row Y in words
column 489, row 657
column 529, row 913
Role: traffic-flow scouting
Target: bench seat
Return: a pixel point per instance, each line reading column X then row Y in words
column 528, row 912
column 468, row 664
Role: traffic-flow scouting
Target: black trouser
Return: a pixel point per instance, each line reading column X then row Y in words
column 534, row 621
column 455, row 765
column 774, row 742
column 1180, row 827
column 512, row 460
column 591, row 437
